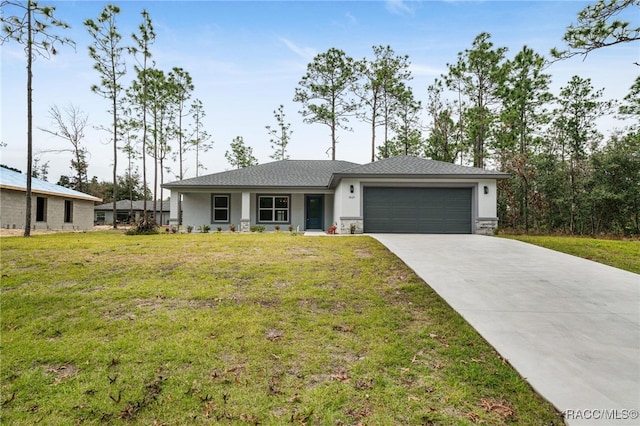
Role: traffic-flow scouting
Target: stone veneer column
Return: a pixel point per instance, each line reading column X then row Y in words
column 486, row 225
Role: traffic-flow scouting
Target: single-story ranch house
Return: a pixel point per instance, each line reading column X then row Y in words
column 401, row 194
column 54, row 207
column 128, row 211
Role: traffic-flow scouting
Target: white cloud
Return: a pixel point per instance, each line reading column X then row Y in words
column 306, row 53
column 426, row 70
column 399, row 7
column 351, row 19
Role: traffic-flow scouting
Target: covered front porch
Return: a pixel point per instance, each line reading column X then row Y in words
column 241, row 210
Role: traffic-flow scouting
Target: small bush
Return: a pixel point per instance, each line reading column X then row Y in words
column 143, row 227
column 277, row 228
column 204, row 229
column 219, row 229
column 258, row 228
column 232, row 227
column 189, row 228
column 290, row 228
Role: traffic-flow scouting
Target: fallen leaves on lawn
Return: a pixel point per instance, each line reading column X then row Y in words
column 273, row 334
column 61, row 372
column 344, row 328
column 362, row 384
column 341, row 376
column 500, row 408
column 474, row 417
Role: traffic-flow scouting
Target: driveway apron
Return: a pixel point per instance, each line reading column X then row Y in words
column 569, row 326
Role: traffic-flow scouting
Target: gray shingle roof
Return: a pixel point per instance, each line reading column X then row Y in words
column 327, row 173
column 137, row 205
column 284, row 173
column 407, row 166
column 11, row 179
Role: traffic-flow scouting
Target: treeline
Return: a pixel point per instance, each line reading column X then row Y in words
column 490, row 110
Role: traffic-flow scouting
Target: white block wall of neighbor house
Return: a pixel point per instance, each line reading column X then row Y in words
column 13, row 208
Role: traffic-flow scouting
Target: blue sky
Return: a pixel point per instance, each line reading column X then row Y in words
column 246, row 58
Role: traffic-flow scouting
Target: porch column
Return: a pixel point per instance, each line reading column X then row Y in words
column 174, row 212
column 245, row 220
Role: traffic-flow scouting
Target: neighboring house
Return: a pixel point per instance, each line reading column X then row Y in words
column 53, row 206
column 401, row 195
column 128, row 211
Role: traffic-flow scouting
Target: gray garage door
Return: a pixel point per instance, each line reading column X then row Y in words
column 417, row 210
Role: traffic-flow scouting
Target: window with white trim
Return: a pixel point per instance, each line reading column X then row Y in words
column 220, row 208
column 273, row 208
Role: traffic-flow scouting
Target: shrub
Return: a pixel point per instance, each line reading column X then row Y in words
column 232, row 227
column 189, row 228
column 258, row 228
column 277, row 228
column 143, row 227
column 204, row 229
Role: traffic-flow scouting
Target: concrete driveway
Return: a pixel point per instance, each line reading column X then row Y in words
column 570, row 326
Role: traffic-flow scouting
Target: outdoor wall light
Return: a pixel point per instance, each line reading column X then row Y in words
column 486, row 189
column 351, row 189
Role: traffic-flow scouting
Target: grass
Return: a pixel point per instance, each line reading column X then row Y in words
column 239, row 329
column 622, row 254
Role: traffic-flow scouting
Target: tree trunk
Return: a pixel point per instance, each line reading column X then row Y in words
column 180, row 142
column 333, row 140
column 27, row 222
column 115, row 165
column 115, row 148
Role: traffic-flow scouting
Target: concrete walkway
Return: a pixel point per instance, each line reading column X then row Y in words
column 570, row 326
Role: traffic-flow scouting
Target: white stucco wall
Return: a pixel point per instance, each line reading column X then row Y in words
column 487, row 203
column 348, row 207
column 196, row 208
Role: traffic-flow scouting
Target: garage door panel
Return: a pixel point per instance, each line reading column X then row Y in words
column 417, row 210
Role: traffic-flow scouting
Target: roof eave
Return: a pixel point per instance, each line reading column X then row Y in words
column 335, row 179
column 56, row 194
column 242, row 187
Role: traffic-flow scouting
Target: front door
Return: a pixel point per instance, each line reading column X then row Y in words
column 314, row 206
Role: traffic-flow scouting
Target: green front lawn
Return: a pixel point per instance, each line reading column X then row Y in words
column 240, row 329
column 622, row 254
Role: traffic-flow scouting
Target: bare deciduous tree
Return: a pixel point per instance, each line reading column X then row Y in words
column 70, row 125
